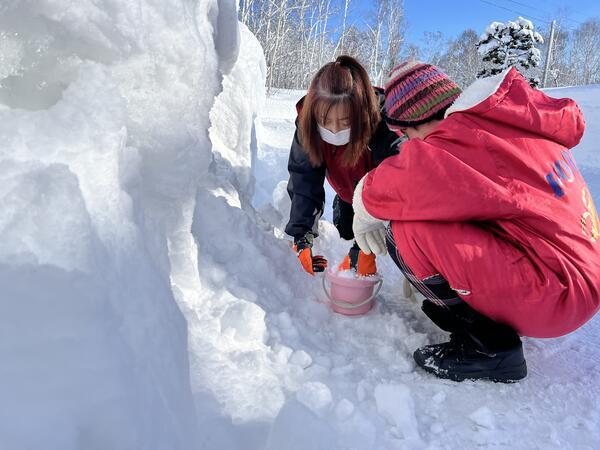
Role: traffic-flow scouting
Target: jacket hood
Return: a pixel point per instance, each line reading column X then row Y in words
column 507, row 98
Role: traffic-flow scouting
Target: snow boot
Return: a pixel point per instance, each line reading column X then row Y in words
column 479, row 348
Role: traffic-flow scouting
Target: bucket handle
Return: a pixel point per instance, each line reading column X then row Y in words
column 346, row 305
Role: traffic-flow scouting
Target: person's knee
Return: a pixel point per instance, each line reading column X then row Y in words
column 410, row 245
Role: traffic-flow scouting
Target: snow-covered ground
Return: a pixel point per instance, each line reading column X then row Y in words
column 148, row 298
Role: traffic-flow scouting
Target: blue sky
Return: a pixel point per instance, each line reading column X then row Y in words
column 451, row 17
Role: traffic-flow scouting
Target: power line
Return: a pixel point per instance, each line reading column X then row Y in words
column 529, row 6
column 520, row 13
column 573, row 20
column 549, row 14
column 571, row 10
column 516, row 12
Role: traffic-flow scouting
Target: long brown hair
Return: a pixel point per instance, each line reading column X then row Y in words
column 343, row 82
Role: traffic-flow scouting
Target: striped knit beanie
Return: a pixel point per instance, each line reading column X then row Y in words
column 415, row 91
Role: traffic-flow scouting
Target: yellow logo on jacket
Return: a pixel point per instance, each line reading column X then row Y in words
column 589, row 220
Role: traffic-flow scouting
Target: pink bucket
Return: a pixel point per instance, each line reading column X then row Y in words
column 351, row 296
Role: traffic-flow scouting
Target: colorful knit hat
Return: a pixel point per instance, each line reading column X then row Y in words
column 415, row 91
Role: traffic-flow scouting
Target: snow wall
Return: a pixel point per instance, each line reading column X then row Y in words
column 104, row 118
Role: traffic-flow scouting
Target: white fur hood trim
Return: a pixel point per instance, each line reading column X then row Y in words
column 480, row 90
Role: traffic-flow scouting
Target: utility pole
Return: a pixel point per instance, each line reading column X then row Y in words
column 548, row 53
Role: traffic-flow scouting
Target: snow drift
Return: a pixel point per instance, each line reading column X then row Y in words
column 104, row 112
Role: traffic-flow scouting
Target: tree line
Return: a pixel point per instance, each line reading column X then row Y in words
column 299, row 36
column 574, row 59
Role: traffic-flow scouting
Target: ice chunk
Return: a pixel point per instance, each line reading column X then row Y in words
column 484, row 418
column 301, row 358
column 395, row 404
column 344, row 409
column 316, row 396
column 247, row 320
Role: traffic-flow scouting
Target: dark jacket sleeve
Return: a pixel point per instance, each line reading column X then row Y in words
column 306, row 190
column 384, row 142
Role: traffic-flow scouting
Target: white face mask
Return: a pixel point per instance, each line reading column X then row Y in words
column 340, row 138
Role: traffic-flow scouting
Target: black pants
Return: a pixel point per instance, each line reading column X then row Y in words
column 343, row 215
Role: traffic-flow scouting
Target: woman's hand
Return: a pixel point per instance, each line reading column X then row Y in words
column 360, row 262
column 310, row 263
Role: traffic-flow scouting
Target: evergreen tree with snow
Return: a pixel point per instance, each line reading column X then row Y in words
column 510, row 45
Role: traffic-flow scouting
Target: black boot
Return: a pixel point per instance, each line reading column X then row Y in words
column 479, row 348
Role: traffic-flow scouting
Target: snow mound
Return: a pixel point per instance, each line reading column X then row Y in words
column 103, row 118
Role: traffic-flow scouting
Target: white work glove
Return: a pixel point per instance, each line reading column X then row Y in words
column 369, row 232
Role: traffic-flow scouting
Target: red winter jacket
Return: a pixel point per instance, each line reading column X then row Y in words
column 501, row 159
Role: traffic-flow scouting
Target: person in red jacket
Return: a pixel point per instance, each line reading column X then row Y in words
column 340, row 136
column 489, row 216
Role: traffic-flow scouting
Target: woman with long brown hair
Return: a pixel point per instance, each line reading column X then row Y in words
column 339, row 136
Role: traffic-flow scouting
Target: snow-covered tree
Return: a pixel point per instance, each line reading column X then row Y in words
column 462, row 62
column 433, row 48
column 510, row 44
column 299, row 36
column 561, row 72
column 585, row 55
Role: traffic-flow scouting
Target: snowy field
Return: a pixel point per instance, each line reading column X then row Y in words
column 148, row 298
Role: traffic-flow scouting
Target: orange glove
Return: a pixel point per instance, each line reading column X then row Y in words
column 362, row 263
column 310, row 263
